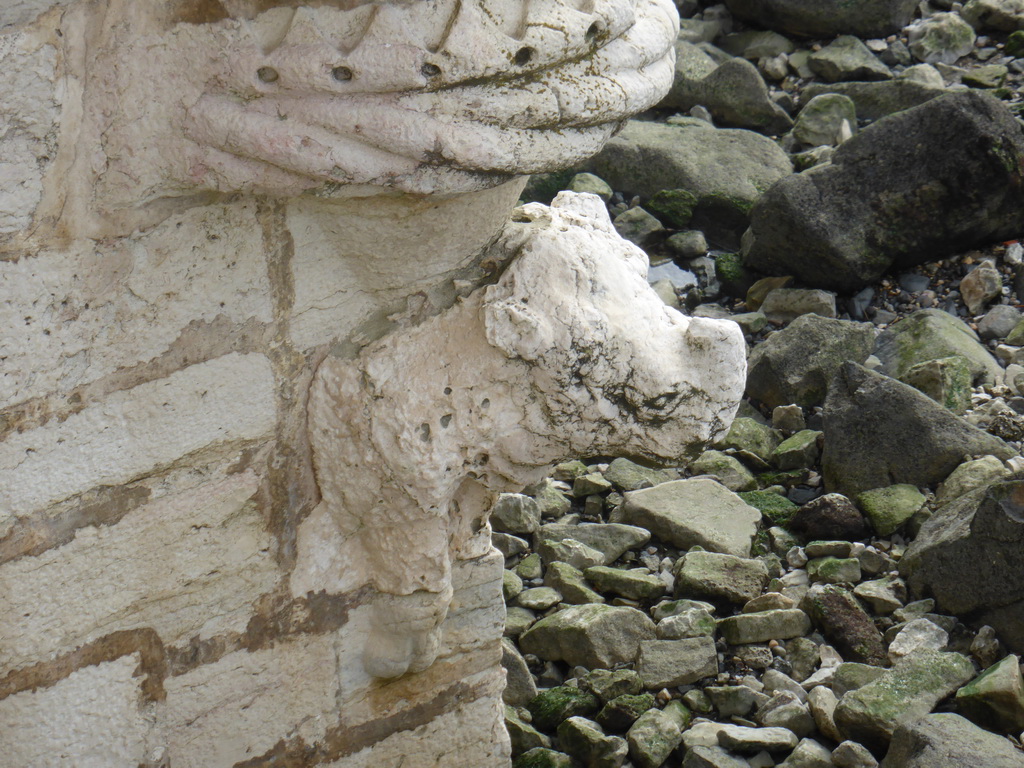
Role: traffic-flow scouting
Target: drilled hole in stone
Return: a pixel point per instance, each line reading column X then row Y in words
column 430, row 70
column 341, row 74
column 267, row 74
column 593, row 31
column 524, row 55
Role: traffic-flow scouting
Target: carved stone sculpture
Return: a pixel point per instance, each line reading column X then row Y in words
column 343, row 99
column 570, row 353
column 233, row 234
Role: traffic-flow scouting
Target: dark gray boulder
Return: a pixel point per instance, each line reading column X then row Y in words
column 915, row 186
column 881, row 432
column 796, row 364
column 945, row 740
column 826, row 18
column 877, row 99
column 967, row 556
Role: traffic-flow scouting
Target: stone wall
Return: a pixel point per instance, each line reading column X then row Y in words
column 155, row 365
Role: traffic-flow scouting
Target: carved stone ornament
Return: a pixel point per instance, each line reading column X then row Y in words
column 570, row 353
column 342, row 98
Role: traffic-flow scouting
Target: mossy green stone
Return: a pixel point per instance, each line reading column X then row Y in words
column 1015, row 44
column 777, row 509
column 946, row 380
column 673, row 207
column 989, row 76
column 889, row 508
column 630, row 476
column 729, row 470
column 834, row 570
column 542, row 187
column 748, row 435
column 996, row 697
column 629, row 584
column 622, row 711
column 539, row 757
column 552, row 706
column 530, row 567
column 522, row 734
column 909, row 690
column 798, row 451
column 511, row 585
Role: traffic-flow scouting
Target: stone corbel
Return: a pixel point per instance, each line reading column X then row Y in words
column 570, row 353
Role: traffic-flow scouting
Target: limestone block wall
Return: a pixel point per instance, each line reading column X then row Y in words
column 158, row 345
column 155, row 469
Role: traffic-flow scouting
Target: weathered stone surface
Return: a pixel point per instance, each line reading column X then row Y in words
column 946, row 380
column 668, row 663
column 909, row 690
column 996, row 697
column 723, row 171
column 878, row 99
column 584, row 740
column 931, row 334
column 945, row 740
column 1002, row 15
column 940, row 38
column 733, row 91
column 634, row 585
column 853, row 224
column 553, row 705
column 832, row 516
column 594, row 636
column 845, row 623
column 880, row 432
column 780, row 624
column 826, row 120
column 693, row 512
column 796, row 364
column 519, row 685
column 515, row 513
column 656, row 733
column 847, row 58
column 965, row 557
column 876, row 18
column 571, row 584
column 611, row 540
column 714, row 576
column 890, row 507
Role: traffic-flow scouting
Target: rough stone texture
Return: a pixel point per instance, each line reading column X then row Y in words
column 955, row 161
column 733, row 91
column 594, row 636
column 931, row 334
column 718, row 174
column 845, row 623
column 713, row 576
column 875, row 100
column 880, row 432
column 965, row 556
column 432, row 448
column 910, row 689
column 668, row 663
column 826, row 18
column 796, row 364
column 693, row 512
column 996, row 697
column 169, row 595
column 945, row 740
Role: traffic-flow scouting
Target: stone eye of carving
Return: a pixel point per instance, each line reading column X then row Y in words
column 430, row 70
column 267, row 74
column 592, row 32
column 523, row 56
column 341, row 74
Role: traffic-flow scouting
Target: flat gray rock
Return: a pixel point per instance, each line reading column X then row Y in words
column 592, row 635
column 668, row 663
column 698, row 511
column 946, row 740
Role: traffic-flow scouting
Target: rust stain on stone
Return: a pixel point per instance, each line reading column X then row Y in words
column 30, row 536
column 342, row 741
column 276, row 617
column 145, row 642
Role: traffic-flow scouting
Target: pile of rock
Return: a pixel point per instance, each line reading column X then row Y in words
column 654, row 618
column 836, row 582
